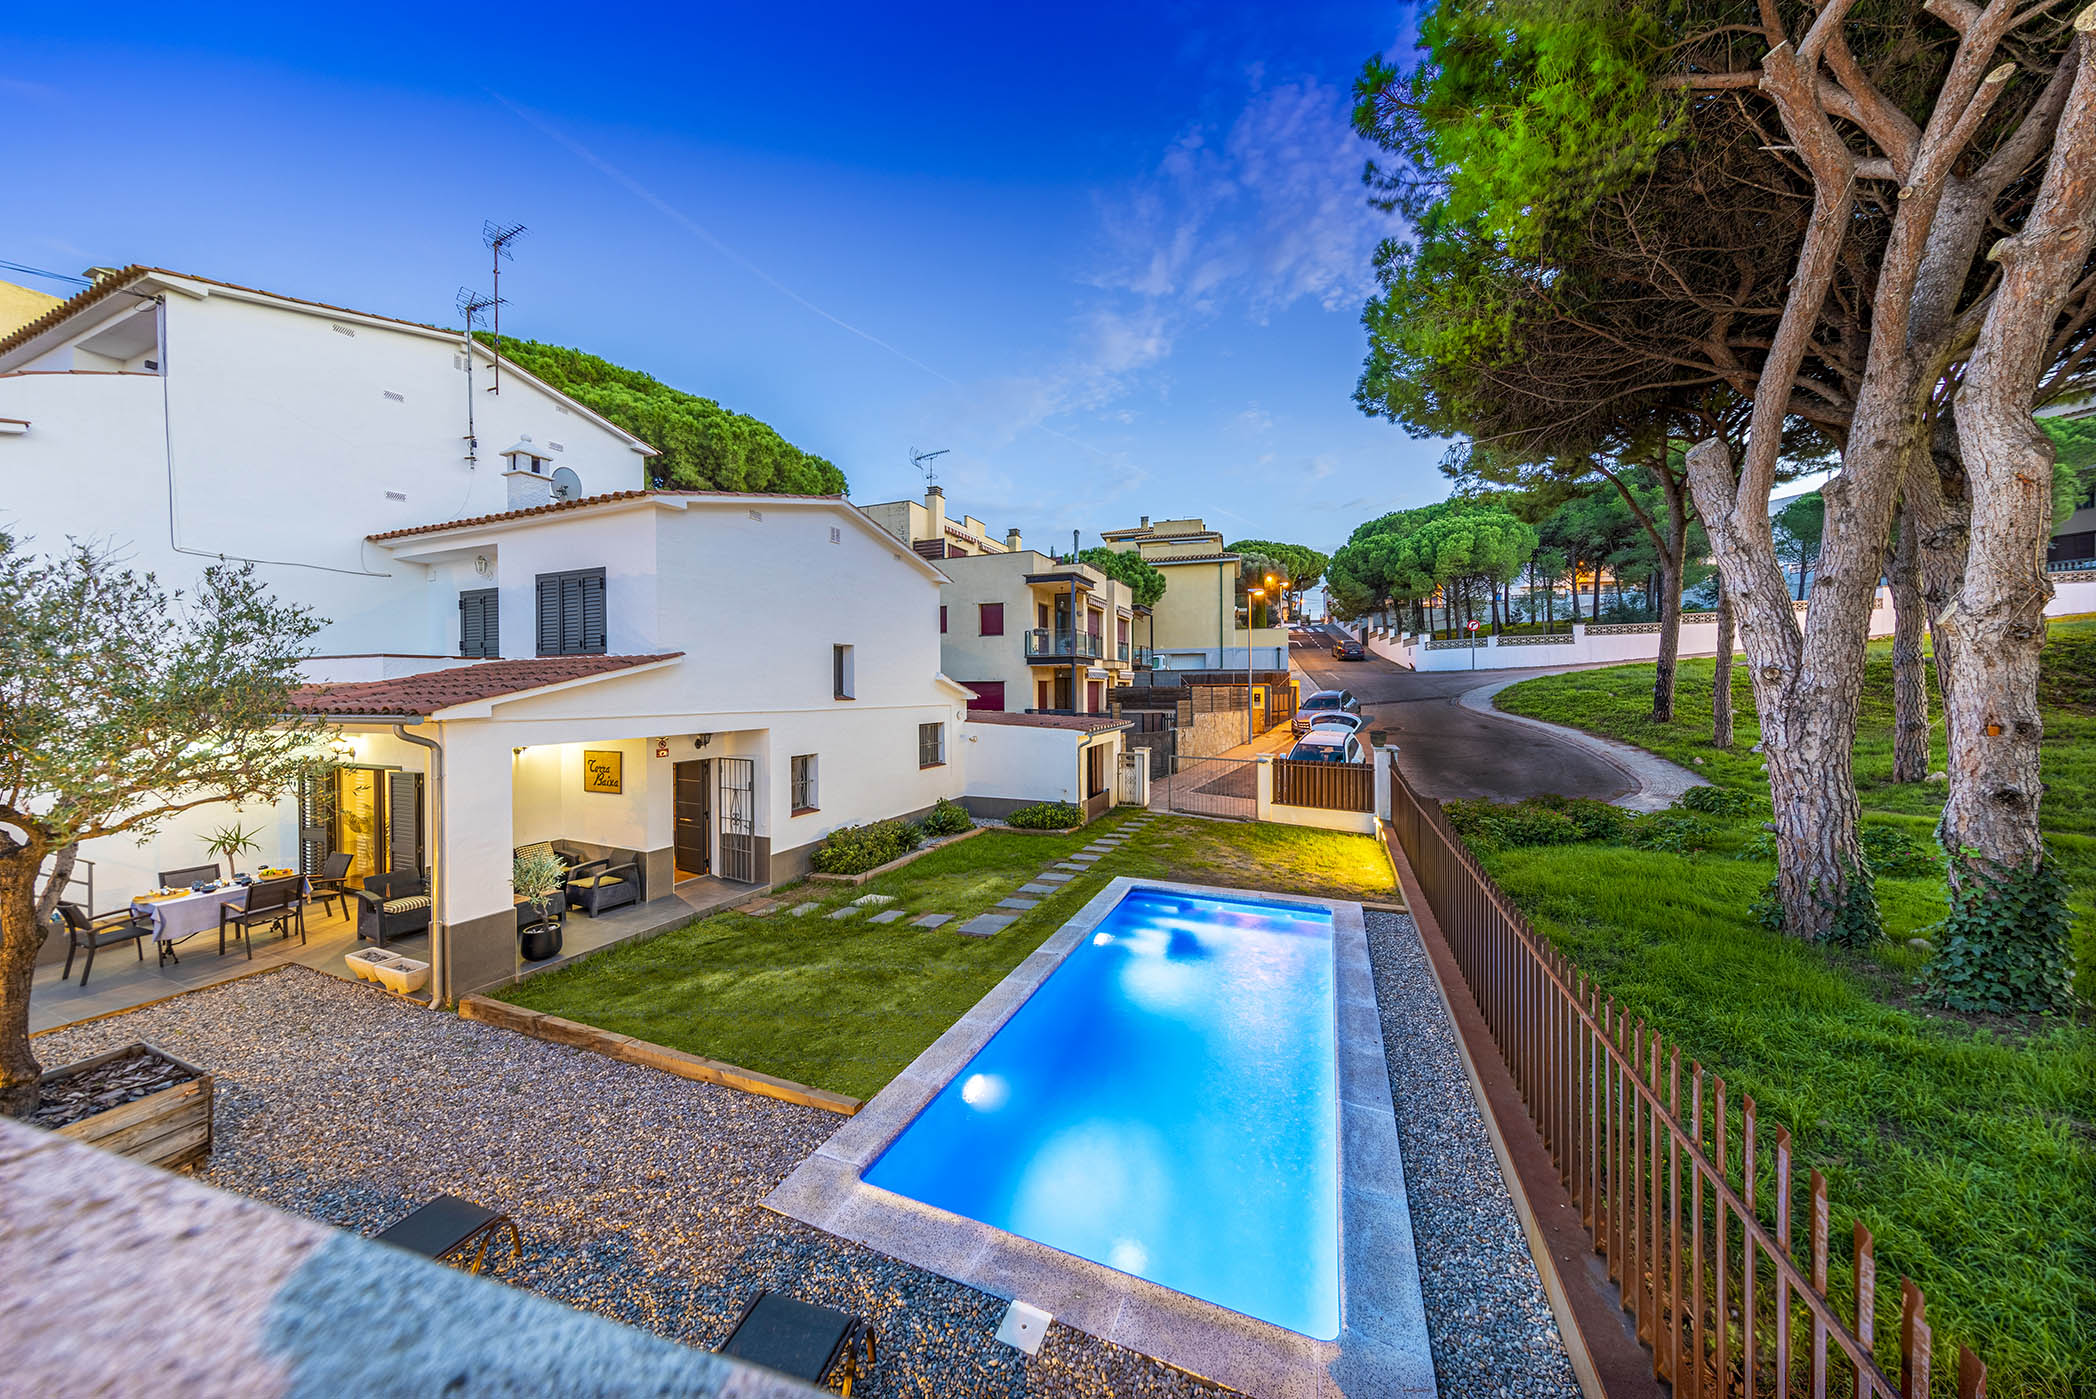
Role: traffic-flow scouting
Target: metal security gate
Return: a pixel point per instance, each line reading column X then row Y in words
column 1133, row 780
column 738, row 804
column 1226, row 787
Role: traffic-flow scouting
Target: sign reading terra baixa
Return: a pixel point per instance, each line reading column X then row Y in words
column 602, row 769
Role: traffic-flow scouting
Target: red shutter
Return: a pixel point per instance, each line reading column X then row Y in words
column 989, row 694
column 1095, row 697
column 993, row 619
column 942, row 621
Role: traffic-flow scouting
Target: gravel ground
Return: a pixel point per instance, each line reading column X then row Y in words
column 637, row 1192
column 1491, row 1328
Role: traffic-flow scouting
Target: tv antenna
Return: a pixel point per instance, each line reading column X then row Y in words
column 471, row 303
column 498, row 237
column 921, row 461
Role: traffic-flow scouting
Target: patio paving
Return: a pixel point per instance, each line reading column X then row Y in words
column 672, row 1241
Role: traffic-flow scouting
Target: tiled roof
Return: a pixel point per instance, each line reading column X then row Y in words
column 1081, row 723
column 1166, row 560
column 422, row 695
column 583, row 502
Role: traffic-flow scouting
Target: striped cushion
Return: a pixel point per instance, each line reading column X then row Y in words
column 543, row 847
column 406, row 905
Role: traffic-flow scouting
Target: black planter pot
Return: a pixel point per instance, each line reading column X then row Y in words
column 539, row 941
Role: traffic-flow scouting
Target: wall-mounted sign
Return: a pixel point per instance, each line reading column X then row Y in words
column 602, row 769
column 662, row 748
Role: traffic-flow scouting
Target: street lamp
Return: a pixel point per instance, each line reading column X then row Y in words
column 1256, row 595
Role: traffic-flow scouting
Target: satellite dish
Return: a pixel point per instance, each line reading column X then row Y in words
column 566, row 484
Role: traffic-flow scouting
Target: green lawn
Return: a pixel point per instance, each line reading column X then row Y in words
column 1968, row 1149
column 847, row 1005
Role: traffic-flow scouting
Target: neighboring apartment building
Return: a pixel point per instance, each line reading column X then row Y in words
column 1201, row 622
column 521, row 644
column 1021, row 629
column 20, row 305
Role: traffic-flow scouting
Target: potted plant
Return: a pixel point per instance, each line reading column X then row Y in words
column 537, row 877
column 230, row 842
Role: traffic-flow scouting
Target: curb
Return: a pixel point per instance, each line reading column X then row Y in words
column 553, row 1029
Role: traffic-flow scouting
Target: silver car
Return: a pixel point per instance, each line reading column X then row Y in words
column 1323, row 702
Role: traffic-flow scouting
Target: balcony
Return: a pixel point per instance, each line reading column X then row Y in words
column 1144, row 657
column 1045, row 645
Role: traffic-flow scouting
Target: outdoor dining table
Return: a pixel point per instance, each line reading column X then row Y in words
column 187, row 912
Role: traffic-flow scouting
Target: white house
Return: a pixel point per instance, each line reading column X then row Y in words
column 524, row 640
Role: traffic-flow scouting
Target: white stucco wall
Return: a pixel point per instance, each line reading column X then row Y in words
column 1011, row 762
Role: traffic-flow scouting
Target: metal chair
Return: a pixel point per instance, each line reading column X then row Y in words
column 187, row 877
column 331, row 885
column 272, row 901
column 91, row 933
column 799, row 1339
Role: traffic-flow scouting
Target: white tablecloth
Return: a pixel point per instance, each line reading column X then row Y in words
column 176, row 919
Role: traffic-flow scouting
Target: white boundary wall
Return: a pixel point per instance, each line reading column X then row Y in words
column 2073, row 593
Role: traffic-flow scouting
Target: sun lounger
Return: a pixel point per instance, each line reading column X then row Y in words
column 447, row 1228
column 800, row 1339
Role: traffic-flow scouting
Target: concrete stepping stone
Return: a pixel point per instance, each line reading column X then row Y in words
column 848, row 911
column 1082, row 859
column 930, row 920
column 802, row 910
column 874, row 900
column 888, row 915
column 984, row 924
column 1036, row 888
column 759, row 908
column 1021, row 904
column 1069, row 867
column 1052, row 877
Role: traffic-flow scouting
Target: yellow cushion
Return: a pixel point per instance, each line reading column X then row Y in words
column 597, row 881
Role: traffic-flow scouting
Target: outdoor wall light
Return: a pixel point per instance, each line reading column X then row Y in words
column 701, row 741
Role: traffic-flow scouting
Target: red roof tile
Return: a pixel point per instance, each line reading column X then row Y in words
column 583, row 502
column 1081, row 723
column 432, row 690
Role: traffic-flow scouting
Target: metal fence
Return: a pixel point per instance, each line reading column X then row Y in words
column 1227, row 787
column 1690, row 1200
column 1327, row 786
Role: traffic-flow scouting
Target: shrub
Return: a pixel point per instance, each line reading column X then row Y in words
column 1489, row 826
column 1046, row 816
column 857, row 849
column 1676, row 832
column 1718, row 801
column 1595, row 819
column 947, row 818
column 1892, row 852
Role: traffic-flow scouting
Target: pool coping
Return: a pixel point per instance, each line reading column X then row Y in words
column 1382, row 1347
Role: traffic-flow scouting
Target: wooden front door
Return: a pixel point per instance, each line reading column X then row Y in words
column 694, row 817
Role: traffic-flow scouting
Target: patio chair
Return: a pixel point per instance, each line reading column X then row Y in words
column 331, row 885
column 392, row 906
column 596, row 886
column 275, row 902
column 106, row 931
column 799, row 1339
column 446, row 1227
column 189, row 876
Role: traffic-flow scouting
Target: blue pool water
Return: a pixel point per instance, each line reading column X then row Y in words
column 1165, row 1103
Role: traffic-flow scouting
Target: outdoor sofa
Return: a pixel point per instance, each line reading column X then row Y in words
column 392, row 906
column 594, row 885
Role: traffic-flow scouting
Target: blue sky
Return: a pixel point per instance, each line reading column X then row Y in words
column 1112, row 257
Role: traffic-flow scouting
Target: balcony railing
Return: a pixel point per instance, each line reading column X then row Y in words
column 1144, row 657
column 1124, row 653
column 1062, row 645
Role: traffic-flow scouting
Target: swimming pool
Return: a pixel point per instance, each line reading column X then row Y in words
column 1164, row 1103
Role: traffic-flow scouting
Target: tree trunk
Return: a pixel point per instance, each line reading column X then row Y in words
column 1721, row 674
column 21, row 938
column 1671, row 556
column 1910, row 686
column 2006, row 941
column 1595, row 611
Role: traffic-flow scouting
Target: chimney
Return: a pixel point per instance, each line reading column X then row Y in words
column 1011, row 540
column 935, row 506
column 1146, row 522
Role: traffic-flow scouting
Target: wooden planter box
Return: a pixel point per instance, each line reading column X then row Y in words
column 169, row 1128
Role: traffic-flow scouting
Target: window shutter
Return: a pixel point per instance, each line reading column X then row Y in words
column 993, row 619
column 549, row 615
column 571, row 613
column 593, row 614
column 479, row 623
column 404, row 822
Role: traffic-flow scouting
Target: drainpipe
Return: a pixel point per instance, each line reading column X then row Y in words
column 1076, row 683
column 439, row 930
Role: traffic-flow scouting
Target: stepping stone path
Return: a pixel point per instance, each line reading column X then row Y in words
column 874, row 900
column 1036, row 888
column 930, row 920
column 801, row 910
column 1070, row 866
column 759, row 908
column 1052, row 877
column 1081, row 859
column 848, row 911
column 1021, row 904
column 984, row 924
column 886, row 917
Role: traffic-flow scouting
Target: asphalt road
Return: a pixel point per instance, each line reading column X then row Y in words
column 1448, row 751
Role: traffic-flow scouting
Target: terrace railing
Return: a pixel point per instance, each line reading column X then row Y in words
column 1692, row 1206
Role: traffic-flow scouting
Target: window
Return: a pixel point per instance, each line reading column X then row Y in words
column 803, row 766
column 571, row 613
column 989, row 694
column 992, row 618
column 942, row 621
column 841, row 670
column 931, row 745
column 478, row 630
column 1095, row 758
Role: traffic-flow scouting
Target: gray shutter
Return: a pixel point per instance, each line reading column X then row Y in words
column 404, row 822
column 593, row 613
column 549, row 614
column 571, row 613
column 479, row 623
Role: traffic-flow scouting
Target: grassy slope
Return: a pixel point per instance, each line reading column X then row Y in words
column 846, row 1005
column 1969, row 1151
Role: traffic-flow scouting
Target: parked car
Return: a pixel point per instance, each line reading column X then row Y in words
column 1338, row 719
column 1323, row 702
column 1348, row 650
column 1328, row 746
